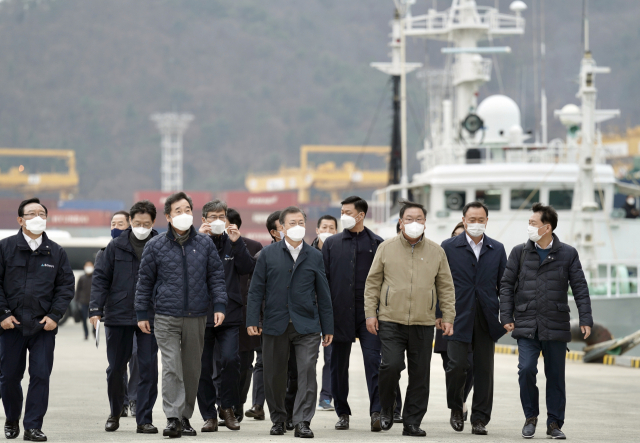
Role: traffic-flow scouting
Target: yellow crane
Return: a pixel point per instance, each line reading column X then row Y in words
column 326, row 177
column 19, row 179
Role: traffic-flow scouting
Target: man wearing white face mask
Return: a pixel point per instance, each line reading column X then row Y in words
column 477, row 263
column 181, row 276
column 113, row 290
column 36, row 287
column 409, row 274
column 289, row 277
column 236, row 261
column 534, row 307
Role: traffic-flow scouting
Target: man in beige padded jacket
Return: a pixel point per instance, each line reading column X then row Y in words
column 409, row 275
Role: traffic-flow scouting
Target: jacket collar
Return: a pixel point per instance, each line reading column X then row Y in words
column 170, row 236
column 303, row 252
column 346, row 234
column 123, row 241
column 44, row 246
column 557, row 244
column 406, row 243
column 461, row 242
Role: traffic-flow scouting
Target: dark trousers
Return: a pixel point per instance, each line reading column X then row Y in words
column 325, row 391
column 483, row 348
column 257, row 396
column 340, row 356
column 84, row 312
column 276, row 356
column 131, row 381
column 417, row 342
column 468, row 384
column 120, row 341
column 228, row 366
column 13, row 361
column 292, row 382
column 246, row 369
column 554, row 354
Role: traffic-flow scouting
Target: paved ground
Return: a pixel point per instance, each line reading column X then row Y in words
column 602, row 404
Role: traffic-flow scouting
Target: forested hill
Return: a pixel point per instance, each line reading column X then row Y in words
column 261, row 77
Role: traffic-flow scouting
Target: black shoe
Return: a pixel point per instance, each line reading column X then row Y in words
column 256, row 411
column 34, row 435
column 289, row 424
column 187, row 429
column 113, row 423
column 11, row 429
column 375, row 422
column 303, row 430
column 277, row 429
column 125, row 411
column 413, row 431
column 146, row 428
column 210, row 425
column 173, row 429
column 132, row 408
column 343, row 422
column 478, row 428
column 456, row 420
column 553, row 431
column 529, row 428
column 386, row 419
column 238, row 411
column 397, row 417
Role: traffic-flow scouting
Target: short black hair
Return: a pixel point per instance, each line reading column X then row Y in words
column 406, row 204
column 360, row 204
column 125, row 213
column 291, row 210
column 214, row 206
column 271, row 222
column 328, row 217
column 398, row 229
column 234, row 217
column 28, row 202
column 475, row 204
column 458, row 226
column 176, row 198
column 548, row 214
column 143, row 207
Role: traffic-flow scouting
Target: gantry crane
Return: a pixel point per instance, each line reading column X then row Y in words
column 324, row 177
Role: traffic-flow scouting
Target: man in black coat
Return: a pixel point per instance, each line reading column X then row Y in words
column 289, row 278
column 534, row 306
column 236, row 261
column 347, row 260
column 36, row 287
column 477, row 263
column 113, row 290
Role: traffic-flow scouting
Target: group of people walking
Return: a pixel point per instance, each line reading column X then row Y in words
column 213, row 301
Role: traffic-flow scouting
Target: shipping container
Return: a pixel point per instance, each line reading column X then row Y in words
column 94, row 205
column 266, row 201
column 62, row 218
column 158, row 198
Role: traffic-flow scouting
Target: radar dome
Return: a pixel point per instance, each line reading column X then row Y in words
column 570, row 115
column 500, row 115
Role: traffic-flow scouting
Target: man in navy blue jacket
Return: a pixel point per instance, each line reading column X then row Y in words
column 236, row 261
column 181, row 276
column 289, row 277
column 113, row 291
column 477, row 263
column 36, row 287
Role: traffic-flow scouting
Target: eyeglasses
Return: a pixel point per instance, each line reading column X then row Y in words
column 31, row 215
column 213, row 218
column 409, row 220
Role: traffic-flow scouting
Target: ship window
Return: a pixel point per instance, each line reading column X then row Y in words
column 519, row 196
column 561, row 199
column 490, row 197
column 455, row 200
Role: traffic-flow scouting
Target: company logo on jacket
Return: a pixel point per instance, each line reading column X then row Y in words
column 226, row 257
column 47, row 265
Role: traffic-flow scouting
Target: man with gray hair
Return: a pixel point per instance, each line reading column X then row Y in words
column 289, row 277
column 236, row 261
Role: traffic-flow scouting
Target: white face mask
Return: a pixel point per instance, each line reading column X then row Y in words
column 414, row 230
column 217, row 227
column 182, row 222
column 88, row 269
column 631, row 201
column 36, row 225
column 476, row 229
column 141, row 233
column 324, row 236
column 532, row 232
column 348, row 222
column 296, row 233
column 281, row 234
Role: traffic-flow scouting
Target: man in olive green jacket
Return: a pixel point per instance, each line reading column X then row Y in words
column 409, row 275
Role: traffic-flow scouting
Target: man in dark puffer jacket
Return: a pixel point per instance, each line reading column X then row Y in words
column 181, row 275
column 534, row 305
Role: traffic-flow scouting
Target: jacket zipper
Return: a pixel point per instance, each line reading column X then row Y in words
column 411, row 291
column 432, row 300
column 386, row 302
column 185, row 280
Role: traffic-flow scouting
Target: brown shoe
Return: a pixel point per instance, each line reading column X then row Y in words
column 256, row 412
column 210, row 425
column 230, row 420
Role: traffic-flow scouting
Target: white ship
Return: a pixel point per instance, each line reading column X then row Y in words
column 478, row 151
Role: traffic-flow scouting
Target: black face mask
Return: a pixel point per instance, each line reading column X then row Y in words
column 115, row 232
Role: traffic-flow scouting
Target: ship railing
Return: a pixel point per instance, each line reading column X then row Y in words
column 434, row 22
column 616, row 278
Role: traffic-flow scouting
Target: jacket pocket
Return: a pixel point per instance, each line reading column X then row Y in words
column 432, row 300
column 45, row 305
column 116, row 298
column 563, row 307
column 386, row 299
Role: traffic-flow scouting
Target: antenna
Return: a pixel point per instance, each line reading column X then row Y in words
column 585, row 25
column 172, row 126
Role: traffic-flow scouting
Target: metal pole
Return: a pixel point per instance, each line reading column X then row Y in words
column 403, row 110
